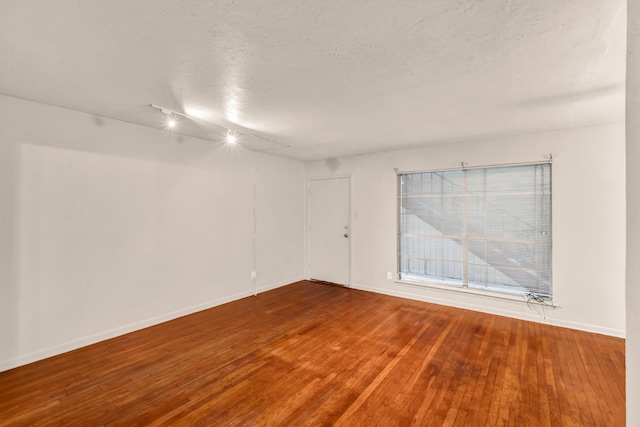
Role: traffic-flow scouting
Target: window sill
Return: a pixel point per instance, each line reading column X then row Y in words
column 479, row 292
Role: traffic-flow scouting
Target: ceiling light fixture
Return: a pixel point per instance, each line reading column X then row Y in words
column 231, row 137
column 232, row 134
column 171, row 123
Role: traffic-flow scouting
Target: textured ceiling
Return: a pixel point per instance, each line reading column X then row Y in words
column 329, row 77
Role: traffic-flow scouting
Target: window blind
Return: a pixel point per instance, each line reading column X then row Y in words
column 483, row 228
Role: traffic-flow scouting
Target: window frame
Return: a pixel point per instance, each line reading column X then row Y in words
column 464, row 285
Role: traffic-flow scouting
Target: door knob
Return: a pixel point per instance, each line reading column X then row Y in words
column 346, row 235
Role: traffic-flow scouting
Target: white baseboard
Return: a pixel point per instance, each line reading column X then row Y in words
column 500, row 312
column 101, row 336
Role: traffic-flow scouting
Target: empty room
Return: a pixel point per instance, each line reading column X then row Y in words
column 350, row 213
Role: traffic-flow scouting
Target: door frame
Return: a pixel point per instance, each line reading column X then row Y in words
column 308, row 221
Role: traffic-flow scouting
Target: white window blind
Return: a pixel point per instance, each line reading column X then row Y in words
column 484, row 228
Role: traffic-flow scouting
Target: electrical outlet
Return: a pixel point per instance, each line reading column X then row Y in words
column 389, row 275
column 253, row 274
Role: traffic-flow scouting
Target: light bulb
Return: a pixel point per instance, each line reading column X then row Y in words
column 171, row 123
column 231, row 137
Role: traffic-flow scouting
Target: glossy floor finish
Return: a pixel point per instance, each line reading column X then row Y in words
column 314, row 354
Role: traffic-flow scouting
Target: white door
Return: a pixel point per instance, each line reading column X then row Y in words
column 329, row 232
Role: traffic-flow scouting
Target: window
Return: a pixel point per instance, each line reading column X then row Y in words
column 484, row 228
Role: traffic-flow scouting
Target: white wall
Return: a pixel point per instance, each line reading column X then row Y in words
column 107, row 227
column 588, row 220
column 280, row 222
column 633, row 214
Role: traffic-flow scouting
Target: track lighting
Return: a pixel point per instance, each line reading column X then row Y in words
column 232, row 134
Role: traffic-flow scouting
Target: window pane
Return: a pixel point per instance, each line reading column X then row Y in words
column 437, row 259
column 442, row 271
column 421, row 215
column 504, row 179
column 449, row 182
column 511, row 216
column 431, row 248
column 452, row 215
column 543, row 218
column 476, row 216
column 521, row 255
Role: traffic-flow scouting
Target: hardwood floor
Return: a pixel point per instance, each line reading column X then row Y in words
column 311, row 354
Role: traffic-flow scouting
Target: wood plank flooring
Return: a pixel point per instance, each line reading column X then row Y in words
column 312, row 354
